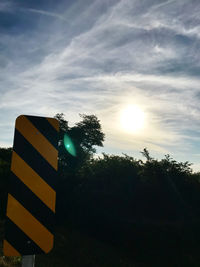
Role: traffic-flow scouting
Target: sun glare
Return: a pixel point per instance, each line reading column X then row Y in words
column 132, row 119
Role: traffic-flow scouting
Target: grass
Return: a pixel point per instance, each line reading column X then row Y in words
column 73, row 248
column 150, row 245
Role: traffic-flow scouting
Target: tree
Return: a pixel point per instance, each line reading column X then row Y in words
column 5, row 160
column 76, row 146
column 110, row 174
column 83, row 137
column 146, row 154
column 169, row 177
column 106, row 189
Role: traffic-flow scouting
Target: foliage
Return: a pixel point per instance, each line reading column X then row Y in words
column 119, row 198
column 5, row 159
column 169, row 179
column 85, row 135
column 110, row 174
column 5, row 154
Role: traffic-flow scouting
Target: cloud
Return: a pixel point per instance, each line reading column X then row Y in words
column 4, row 6
column 130, row 52
column 45, row 13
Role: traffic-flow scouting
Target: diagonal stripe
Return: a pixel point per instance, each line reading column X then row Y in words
column 35, row 160
column 9, row 250
column 29, row 225
column 32, row 203
column 19, row 240
column 33, row 181
column 45, row 128
column 38, row 141
column 54, row 123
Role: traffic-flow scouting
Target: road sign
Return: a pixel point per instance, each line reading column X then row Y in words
column 32, row 193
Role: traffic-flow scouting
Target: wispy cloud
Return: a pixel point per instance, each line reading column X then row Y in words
column 5, row 6
column 131, row 52
column 45, row 13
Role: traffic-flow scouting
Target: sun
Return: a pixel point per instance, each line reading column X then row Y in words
column 132, row 119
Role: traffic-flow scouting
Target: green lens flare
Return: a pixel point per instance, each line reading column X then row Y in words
column 69, row 145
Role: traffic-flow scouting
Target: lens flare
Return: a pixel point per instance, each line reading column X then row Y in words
column 69, row 145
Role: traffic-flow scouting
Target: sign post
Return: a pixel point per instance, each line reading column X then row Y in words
column 28, row 261
column 32, row 194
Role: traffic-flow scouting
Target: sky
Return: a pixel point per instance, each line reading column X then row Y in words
column 100, row 57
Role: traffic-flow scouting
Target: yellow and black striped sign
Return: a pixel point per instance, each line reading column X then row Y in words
column 32, row 192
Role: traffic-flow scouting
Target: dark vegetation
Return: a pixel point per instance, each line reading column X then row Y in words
column 117, row 210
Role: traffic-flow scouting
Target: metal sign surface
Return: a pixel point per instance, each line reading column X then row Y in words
column 32, row 193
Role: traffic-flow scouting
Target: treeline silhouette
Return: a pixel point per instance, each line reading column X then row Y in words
column 146, row 207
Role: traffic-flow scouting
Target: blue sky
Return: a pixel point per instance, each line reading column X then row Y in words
column 98, row 57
